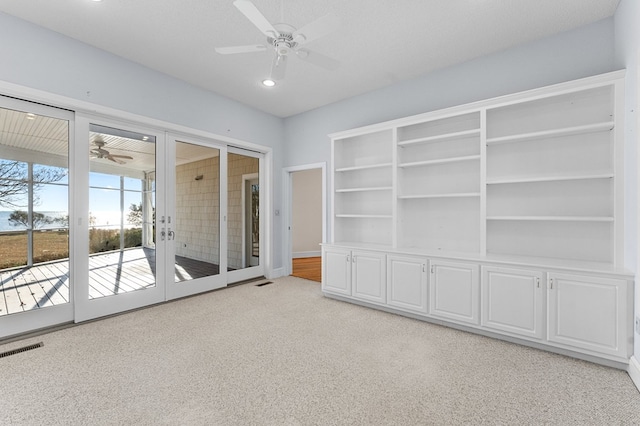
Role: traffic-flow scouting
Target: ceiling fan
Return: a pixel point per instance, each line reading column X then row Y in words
column 285, row 40
column 100, row 152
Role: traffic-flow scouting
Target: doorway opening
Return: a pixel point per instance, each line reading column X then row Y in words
column 305, row 220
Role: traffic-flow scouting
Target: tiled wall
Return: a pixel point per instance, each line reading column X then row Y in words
column 198, row 210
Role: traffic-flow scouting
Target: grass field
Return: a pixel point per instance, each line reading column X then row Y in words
column 54, row 245
column 47, row 246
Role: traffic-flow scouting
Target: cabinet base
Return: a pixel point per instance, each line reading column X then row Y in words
column 620, row 365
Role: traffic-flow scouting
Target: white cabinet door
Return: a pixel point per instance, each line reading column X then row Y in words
column 512, row 301
column 454, row 291
column 588, row 313
column 336, row 272
column 369, row 276
column 407, row 283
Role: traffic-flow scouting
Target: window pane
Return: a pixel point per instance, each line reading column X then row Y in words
column 243, row 245
column 132, row 184
column 102, row 180
column 51, row 244
column 50, row 174
column 104, row 208
column 121, row 247
column 197, row 222
column 13, row 207
column 38, row 181
column 51, row 211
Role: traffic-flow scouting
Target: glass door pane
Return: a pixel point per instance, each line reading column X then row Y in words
column 243, row 210
column 34, row 216
column 122, row 200
column 195, row 257
column 197, row 214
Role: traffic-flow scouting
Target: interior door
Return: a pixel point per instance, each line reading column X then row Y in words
column 196, row 186
column 120, row 247
column 245, row 209
column 35, row 195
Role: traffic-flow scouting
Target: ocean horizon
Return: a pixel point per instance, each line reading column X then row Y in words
column 104, row 219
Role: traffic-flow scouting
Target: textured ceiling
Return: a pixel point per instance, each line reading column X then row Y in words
column 378, row 43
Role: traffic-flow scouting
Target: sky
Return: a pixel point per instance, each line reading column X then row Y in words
column 104, row 194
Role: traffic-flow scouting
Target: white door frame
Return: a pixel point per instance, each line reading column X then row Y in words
column 265, row 265
column 245, row 178
column 287, row 196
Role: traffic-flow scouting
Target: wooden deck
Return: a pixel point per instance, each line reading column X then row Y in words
column 118, row 272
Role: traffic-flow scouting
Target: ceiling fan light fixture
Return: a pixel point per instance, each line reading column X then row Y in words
column 267, row 82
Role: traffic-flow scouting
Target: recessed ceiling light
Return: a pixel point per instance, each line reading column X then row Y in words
column 31, row 116
column 268, row 82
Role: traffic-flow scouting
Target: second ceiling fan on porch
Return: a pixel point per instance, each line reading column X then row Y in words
column 100, row 152
column 285, row 40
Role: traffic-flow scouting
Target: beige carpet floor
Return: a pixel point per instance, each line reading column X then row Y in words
column 282, row 354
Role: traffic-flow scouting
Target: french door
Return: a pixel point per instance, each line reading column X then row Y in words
column 36, row 192
column 166, row 216
column 108, row 216
column 245, row 216
column 196, row 231
column 121, row 223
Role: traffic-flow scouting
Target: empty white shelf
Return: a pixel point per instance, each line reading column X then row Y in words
column 448, row 195
column 378, row 188
column 554, row 218
column 547, row 178
column 366, row 216
column 565, row 131
column 367, row 167
column 439, row 138
column 440, row 161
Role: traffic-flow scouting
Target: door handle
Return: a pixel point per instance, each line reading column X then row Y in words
column 171, row 235
column 162, row 234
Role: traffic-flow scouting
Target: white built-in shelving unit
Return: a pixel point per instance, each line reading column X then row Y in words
column 363, row 188
column 531, row 182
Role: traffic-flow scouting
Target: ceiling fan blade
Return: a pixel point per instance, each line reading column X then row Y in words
column 241, row 49
column 256, row 17
column 316, row 29
column 278, row 67
column 318, row 59
column 120, row 156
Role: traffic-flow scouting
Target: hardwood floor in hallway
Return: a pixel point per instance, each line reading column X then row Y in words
column 309, row 268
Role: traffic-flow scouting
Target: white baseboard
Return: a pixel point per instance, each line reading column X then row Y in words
column 275, row 273
column 301, row 254
column 634, row 371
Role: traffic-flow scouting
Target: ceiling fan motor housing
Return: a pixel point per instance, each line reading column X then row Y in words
column 283, row 43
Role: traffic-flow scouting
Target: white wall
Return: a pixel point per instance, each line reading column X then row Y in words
column 306, row 212
column 574, row 54
column 627, row 55
column 35, row 57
